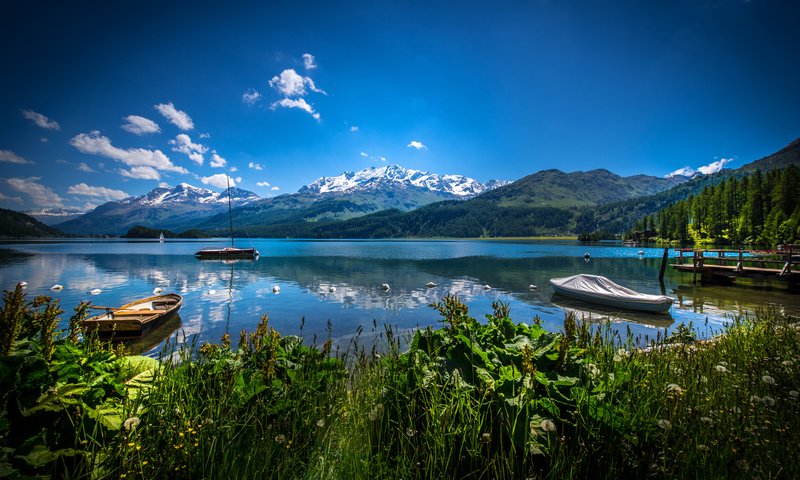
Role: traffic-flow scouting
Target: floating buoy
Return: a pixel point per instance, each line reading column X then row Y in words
column 533, row 287
column 276, row 289
column 430, row 284
column 96, row 291
column 23, row 284
column 57, row 287
column 586, row 255
column 386, row 287
column 212, row 292
column 487, row 287
column 157, row 290
column 641, row 252
column 332, row 289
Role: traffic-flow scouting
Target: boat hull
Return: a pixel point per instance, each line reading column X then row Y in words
column 222, row 253
column 622, row 297
column 134, row 318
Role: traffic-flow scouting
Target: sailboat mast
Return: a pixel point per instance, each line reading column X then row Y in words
column 230, row 211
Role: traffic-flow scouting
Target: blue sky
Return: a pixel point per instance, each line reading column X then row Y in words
column 108, row 99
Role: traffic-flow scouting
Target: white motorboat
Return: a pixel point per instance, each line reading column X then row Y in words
column 598, row 289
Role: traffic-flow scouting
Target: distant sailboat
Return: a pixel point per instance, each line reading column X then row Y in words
column 227, row 252
column 161, row 237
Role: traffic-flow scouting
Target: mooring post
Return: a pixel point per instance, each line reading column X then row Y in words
column 740, row 265
column 663, row 264
column 694, row 268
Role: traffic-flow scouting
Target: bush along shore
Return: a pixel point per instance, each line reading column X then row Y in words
column 496, row 399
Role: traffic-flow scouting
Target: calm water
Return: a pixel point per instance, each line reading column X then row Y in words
column 340, row 282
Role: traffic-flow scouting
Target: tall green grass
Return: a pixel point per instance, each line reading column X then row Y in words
column 493, row 399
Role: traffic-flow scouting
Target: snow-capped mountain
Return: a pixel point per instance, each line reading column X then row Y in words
column 185, row 193
column 171, row 208
column 51, row 216
column 394, row 176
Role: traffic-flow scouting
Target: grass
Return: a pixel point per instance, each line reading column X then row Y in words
column 493, row 399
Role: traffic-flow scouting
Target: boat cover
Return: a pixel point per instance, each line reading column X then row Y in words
column 601, row 287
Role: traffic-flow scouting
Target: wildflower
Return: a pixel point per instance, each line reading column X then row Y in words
column 321, row 422
column 768, row 401
column 794, row 394
column 755, row 398
column 664, row 424
column 706, row 420
column 377, row 411
column 702, row 448
column 410, row 432
column 280, row 439
column 720, row 368
column 617, row 357
column 592, row 370
column 486, row 437
column 131, row 423
column 548, row 425
column 674, row 389
column 768, row 380
column 787, row 363
column 724, row 364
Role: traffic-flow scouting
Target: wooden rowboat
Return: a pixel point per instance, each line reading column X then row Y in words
column 132, row 319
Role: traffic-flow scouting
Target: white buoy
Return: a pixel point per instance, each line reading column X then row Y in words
column 212, row 292
column 586, row 255
column 332, row 289
column 487, row 287
column 57, row 287
column 157, row 291
column 430, row 284
column 641, row 252
column 96, row 291
column 276, row 289
column 23, row 284
column 533, row 287
column 386, row 287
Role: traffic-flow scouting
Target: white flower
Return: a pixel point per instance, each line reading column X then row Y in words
column 720, row 368
column 617, row 357
column 280, row 439
column 664, row 424
column 768, row 401
column 592, row 370
column 787, row 363
column 674, row 388
column 768, row 380
column 321, row 422
column 548, row 425
column 706, row 420
column 794, row 393
column 131, row 423
column 755, row 398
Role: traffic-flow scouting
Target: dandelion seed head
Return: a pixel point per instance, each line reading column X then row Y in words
column 720, row 368
column 410, row 432
column 486, row 437
column 664, row 424
column 674, row 389
column 787, row 363
column 321, row 422
column 755, row 399
column 706, row 420
column 280, row 439
column 131, row 423
column 548, row 425
column 794, row 394
column 768, row 380
column 768, row 401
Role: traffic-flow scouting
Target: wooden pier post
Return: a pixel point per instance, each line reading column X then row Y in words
column 740, row 265
column 663, row 264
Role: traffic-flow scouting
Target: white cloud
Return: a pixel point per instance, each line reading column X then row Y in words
column 217, row 161
column 383, row 159
column 40, row 120
column 309, row 61
column 85, row 168
column 140, row 173
column 183, row 144
column 44, row 140
column 96, row 144
column 10, row 157
column 238, row 179
column 102, row 192
column 164, row 185
column 255, row 166
column 263, row 184
column 140, row 125
column 714, row 167
column 364, row 154
column 219, row 180
column 275, row 188
column 205, row 135
column 233, row 169
column 417, row 144
column 40, row 195
column 251, row 96
column 177, row 117
column 291, row 84
column 354, row 128
column 6, row 198
column 299, row 103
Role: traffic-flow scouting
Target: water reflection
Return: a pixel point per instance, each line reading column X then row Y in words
column 222, row 297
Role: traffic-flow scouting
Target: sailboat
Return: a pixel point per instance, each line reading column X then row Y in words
column 161, row 237
column 227, row 252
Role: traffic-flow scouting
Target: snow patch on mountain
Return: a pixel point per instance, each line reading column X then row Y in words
column 393, row 176
column 184, row 193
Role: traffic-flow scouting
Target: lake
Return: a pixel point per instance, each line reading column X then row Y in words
column 331, row 287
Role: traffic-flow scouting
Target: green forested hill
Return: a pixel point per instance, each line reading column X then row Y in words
column 19, row 225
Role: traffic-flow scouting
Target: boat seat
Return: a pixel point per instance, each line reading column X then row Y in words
column 137, row 312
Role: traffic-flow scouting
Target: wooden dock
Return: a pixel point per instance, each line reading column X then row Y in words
column 725, row 266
